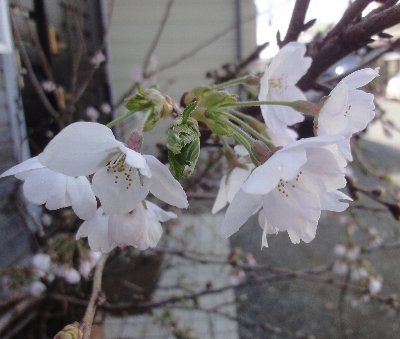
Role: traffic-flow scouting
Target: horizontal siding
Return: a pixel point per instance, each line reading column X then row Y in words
column 134, row 24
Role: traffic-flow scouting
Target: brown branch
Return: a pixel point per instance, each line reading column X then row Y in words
column 87, row 320
column 352, row 12
column 296, row 25
column 351, row 39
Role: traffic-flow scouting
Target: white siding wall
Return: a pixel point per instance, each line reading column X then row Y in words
column 134, row 24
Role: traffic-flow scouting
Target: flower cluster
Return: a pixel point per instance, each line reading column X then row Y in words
column 300, row 178
column 85, row 161
column 287, row 181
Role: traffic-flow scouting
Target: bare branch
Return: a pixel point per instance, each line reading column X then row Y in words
column 157, row 37
column 351, row 39
column 87, row 320
column 352, row 12
column 34, row 80
column 296, row 25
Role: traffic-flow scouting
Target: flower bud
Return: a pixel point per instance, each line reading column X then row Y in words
column 252, row 80
column 306, row 107
column 135, row 140
column 151, row 101
column 261, row 151
column 71, row 331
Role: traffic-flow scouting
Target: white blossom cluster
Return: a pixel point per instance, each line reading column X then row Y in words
column 85, row 161
column 303, row 177
column 85, row 165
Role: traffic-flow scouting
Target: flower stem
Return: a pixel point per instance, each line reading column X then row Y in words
column 120, row 119
column 243, row 138
column 259, row 103
column 96, row 290
column 230, row 83
column 249, row 129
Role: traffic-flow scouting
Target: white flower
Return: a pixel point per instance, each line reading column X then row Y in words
column 86, row 265
column 97, row 59
column 348, row 110
column 92, row 113
column 55, row 190
column 375, row 284
column 46, row 219
column 340, row 268
column 231, row 183
column 41, row 262
column 140, row 228
column 36, row 288
column 291, row 187
column 340, row 250
column 279, row 84
column 105, row 108
column 123, row 177
column 49, row 86
column 69, row 274
column 359, row 273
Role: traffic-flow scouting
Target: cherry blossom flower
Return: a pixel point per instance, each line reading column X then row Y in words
column 69, row 274
column 279, row 84
column 55, row 190
column 231, row 182
column 348, row 110
column 36, row 288
column 123, row 177
column 97, row 59
column 140, row 228
column 291, row 188
column 41, row 262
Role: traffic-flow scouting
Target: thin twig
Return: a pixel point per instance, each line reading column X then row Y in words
column 157, row 37
column 87, row 320
column 34, row 80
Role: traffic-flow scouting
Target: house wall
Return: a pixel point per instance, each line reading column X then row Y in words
column 134, row 24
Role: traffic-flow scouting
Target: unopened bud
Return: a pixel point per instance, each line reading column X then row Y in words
column 71, row 331
column 252, row 80
column 135, row 140
column 261, row 151
column 306, row 107
column 168, row 107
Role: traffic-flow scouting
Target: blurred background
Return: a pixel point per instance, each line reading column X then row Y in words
column 63, row 61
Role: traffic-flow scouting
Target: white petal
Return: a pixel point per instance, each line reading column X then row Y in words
column 129, row 228
column 136, row 160
column 299, row 212
column 242, row 207
column 116, row 192
column 221, row 199
column 27, row 165
column 334, row 201
column 282, row 165
column 82, row 199
column 43, row 185
column 80, row 149
column 361, row 77
column 158, row 213
column 96, row 229
column 163, row 185
column 235, row 181
column 290, row 62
